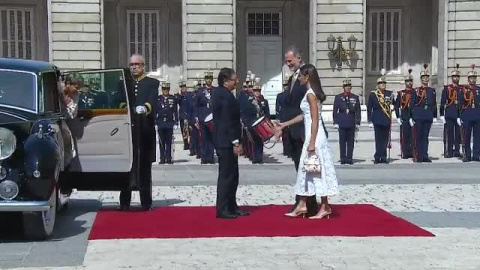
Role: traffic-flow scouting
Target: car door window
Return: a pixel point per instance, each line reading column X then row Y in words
column 102, row 90
column 50, row 102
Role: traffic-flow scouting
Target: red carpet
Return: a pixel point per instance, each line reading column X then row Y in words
column 360, row 220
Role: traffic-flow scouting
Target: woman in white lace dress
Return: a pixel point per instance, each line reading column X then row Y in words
column 322, row 184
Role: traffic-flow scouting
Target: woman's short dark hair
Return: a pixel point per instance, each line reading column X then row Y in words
column 224, row 75
column 315, row 83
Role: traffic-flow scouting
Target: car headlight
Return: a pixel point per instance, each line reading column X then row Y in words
column 8, row 143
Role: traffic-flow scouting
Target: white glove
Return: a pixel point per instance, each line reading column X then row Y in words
column 335, row 126
column 443, row 119
column 459, row 122
column 357, row 127
column 175, row 127
column 399, row 121
column 141, row 110
column 434, row 120
column 411, row 122
column 370, row 125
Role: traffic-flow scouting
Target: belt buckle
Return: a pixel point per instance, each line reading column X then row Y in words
column 426, row 107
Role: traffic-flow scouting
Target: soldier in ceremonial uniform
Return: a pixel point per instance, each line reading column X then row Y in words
column 261, row 109
column 449, row 114
column 183, row 106
column 346, row 118
column 469, row 101
column 144, row 98
column 167, row 120
column 424, row 112
column 379, row 117
column 280, row 108
column 244, row 94
column 403, row 114
column 203, row 108
column 91, row 98
column 195, row 147
column 247, row 116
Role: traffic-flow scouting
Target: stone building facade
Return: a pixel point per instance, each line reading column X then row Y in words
column 187, row 37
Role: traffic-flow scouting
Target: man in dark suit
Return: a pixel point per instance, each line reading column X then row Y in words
column 227, row 135
column 144, row 98
column 296, row 132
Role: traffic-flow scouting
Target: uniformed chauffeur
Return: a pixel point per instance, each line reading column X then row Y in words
column 280, row 108
column 261, row 109
column 347, row 116
column 167, row 120
column 469, row 102
column 403, row 114
column 145, row 95
column 183, row 103
column 449, row 114
column 379, row 117
column 203, row 108
column 424, row 112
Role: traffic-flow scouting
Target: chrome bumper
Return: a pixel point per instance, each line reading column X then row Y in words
column 16, row 206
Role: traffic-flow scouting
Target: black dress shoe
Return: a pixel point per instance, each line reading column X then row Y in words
column 226, row 215
column 124, row 207
column 376, row 161
column 350, row 162
column 161, row 162
column 147, row 208
column 427, row 160
column 192, row 154
column 241, row 213
column 169, row 162
column 342, row 162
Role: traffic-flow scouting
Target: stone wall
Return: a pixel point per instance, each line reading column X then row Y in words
column 209, row 36
column 76, row 34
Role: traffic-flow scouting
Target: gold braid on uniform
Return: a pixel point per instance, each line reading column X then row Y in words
column 384, row 104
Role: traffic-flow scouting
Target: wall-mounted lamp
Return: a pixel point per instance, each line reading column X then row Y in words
column 340, row 54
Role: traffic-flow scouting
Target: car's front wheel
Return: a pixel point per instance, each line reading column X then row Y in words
column 40, row 225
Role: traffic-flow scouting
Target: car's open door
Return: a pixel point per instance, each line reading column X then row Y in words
column 102, row 128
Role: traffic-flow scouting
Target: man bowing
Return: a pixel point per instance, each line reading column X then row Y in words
column 227, row 135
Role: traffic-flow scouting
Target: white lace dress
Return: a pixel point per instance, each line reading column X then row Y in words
column 309, row 184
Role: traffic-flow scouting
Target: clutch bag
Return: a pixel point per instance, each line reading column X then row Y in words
column 311, row 164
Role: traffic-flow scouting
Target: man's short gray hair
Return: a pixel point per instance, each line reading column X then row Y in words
column 139, row 56
column 295, row 50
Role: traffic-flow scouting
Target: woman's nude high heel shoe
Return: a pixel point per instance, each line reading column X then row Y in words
column 298, row 213
column 322, row 215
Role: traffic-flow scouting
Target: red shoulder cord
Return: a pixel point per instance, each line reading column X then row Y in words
column 421, row 92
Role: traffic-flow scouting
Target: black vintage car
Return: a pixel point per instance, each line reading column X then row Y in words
column 46, row 152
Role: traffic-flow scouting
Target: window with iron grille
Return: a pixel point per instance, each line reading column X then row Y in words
column 385, row 40
column 263, row 23
column 17, row 35
column 143, row 36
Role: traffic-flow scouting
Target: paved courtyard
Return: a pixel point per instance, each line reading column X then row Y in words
column 441, row 197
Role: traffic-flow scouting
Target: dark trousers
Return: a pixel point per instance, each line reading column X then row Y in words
column 286, row 146
column 468, row 128
column 165, row 139
column 194, row 140
column 207, row 144
column 296, row 146
column 257, row 147
column 452, row 138
column 381, row 141
column 346, row 141
column 422, row 131
column 227, row 180
column 184, row 135
column 145, row 178
column 406, row 139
